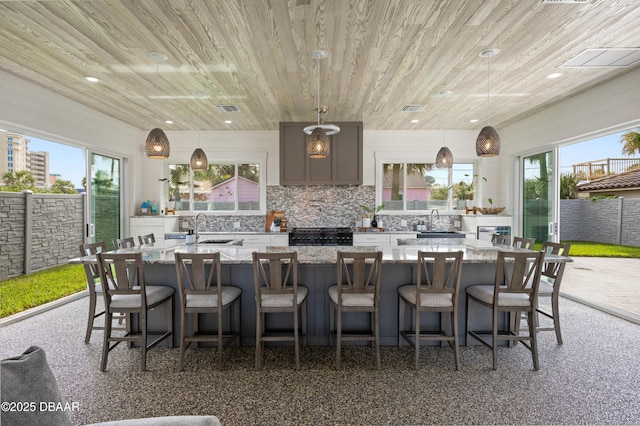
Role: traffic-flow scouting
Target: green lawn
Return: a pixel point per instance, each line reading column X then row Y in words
column 589, row 249
column 27, row 291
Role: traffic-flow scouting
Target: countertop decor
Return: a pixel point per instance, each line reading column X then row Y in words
column 490, row 210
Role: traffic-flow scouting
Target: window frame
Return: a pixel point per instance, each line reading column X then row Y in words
column 414, row 158
column 262, row 188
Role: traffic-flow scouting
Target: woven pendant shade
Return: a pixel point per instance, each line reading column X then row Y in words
column 199, row 160
column 157, row 144
column 318, row 144
column 488, row 142
column 444, row 159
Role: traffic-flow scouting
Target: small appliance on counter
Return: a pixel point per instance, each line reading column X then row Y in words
column 276, row 221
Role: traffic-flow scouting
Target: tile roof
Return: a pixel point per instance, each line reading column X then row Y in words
column 626, row 180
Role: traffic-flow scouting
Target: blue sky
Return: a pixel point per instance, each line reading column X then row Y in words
column 595, row 149
column 64, row 160
column 69, row 162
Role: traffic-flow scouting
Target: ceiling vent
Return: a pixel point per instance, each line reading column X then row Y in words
column 228, row 108
column 599, row 58
column 564, row 1
column 413, row 108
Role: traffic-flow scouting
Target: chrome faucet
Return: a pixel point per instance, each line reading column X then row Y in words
column 196, row 223
column 431, row 218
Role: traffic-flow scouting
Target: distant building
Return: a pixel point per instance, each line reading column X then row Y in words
column 53, row 178
column 15, row 156
column 38, row 165
column 13, row 152
column 626, row 184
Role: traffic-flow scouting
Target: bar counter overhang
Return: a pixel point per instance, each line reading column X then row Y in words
column 317, row 271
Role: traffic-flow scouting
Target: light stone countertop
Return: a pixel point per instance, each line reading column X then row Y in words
column 162, row 252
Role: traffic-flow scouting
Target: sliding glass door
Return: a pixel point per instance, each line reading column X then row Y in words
column 539, row 217
column 104, row 198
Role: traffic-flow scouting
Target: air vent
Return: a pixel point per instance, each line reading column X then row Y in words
column 599, row 58
column 228, row 108
column 564, row 1
column 413, row 108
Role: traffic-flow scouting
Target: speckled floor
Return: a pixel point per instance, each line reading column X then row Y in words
column 592, row 379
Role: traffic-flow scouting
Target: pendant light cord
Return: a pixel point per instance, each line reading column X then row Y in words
column 488, row 90
column 318, row 72
column 157, row 90
column 444, row 121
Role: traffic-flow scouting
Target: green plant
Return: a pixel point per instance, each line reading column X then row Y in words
column 27, row 291
column 369, row 212
column 173, row 187
column 568, row 186
column 464, row 189
column 603, row 197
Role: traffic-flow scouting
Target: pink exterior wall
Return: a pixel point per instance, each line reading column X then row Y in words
column 412, row 194
column 224, row 192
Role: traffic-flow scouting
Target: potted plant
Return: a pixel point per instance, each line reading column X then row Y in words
column 464, row 190
column 370, row 215
column 173, row 189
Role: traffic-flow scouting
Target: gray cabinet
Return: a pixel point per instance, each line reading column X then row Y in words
column 343, row 166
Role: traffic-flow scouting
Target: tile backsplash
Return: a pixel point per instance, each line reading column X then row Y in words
column 318, row 206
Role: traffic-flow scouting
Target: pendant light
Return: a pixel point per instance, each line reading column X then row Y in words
column 444, row 159
column 157, row 144
column 488, row 142
column 318, row 143
column 199, row 158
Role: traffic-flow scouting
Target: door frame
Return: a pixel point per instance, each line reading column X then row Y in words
column 89, row 231
column 553, row 228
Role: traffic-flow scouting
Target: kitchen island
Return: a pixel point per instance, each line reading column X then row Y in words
column 317, row 271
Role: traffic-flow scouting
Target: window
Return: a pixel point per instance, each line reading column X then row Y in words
column 420, row 187
column 229, row 188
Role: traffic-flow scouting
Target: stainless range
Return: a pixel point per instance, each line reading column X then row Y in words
column 321, row 237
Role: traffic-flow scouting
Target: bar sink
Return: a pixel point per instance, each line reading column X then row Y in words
column 215, row 242
column 440, row 234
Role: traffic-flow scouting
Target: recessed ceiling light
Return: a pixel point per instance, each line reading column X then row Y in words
column 168, row 121
column 92, row 79
column 554, row 75
column 473, row 120
column 158, row 56
column 413, row 108
column 228, row 121
column 415, row 121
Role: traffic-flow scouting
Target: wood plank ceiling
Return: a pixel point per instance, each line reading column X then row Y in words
column 256, row 55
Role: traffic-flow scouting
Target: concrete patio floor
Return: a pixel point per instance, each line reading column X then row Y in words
column 608, row 284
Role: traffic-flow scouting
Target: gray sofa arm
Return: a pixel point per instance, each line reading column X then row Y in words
column 27, row 379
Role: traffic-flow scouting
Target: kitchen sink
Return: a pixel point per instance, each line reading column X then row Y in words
column 215, row 242
column 440, row 234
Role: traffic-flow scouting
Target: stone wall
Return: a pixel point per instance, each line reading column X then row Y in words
column 613, row 221
column 12, row 234
column 56, row 229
